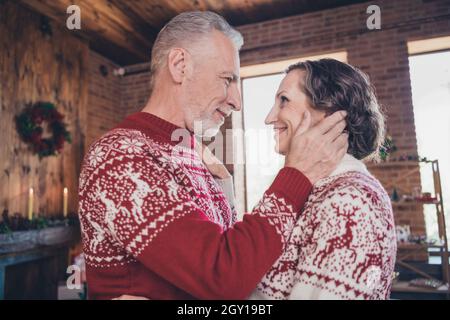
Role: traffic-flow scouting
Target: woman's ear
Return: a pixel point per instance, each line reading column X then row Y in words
column 176, row 62
column 317, row 116
column 304, row 124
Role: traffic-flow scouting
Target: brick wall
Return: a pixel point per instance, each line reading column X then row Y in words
column 135, row 91
column 382, row 54
column 104, row 102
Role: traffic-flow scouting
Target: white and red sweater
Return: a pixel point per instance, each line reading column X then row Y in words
column 155, row 223
column 343, row 246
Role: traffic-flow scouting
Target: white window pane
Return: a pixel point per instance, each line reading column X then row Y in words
column 261, row 163
column 430, row 81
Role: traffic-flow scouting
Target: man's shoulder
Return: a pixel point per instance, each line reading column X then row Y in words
column 118, row 137
column 119, row 145
column 122, row 142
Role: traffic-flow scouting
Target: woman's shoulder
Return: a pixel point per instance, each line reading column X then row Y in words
column 352, row 187
column 354, row 177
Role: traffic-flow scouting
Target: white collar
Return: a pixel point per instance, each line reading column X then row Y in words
column 347, row 164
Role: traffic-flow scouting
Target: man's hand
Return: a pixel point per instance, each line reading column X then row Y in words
column 317, row 151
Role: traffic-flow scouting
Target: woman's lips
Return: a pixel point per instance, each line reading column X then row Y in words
column 279, row 130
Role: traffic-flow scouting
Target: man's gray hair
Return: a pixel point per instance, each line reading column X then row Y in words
column 186, row 29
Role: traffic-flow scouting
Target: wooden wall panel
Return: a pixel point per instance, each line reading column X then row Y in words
column 34, row 67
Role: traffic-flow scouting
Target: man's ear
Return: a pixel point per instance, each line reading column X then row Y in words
column 176, row 62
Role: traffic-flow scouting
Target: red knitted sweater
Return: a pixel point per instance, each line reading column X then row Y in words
column 156, row 224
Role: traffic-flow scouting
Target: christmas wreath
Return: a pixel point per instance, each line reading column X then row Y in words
column 29, row 126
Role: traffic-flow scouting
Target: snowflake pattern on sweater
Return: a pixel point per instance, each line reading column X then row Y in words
column 343, row 245
column 124, row 180
column 155, row 223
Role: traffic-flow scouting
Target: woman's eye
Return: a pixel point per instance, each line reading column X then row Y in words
column 284, row 99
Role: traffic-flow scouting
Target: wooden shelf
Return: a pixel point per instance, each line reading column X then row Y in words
column 413, row 167
column 418, row 246
column 413, row 203
column 392, row 164
column 403, row 286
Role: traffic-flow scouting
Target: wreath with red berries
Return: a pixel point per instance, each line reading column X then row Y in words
column 30, row 123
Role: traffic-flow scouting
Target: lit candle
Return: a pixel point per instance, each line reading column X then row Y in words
column 30, row 204
column 65, row 195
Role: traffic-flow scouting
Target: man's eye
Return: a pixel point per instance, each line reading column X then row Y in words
column 284, row 99
column 228, row 81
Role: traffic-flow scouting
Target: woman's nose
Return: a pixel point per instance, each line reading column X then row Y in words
column 271, row 116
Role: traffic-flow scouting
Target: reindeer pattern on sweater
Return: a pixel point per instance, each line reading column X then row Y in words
column 343, row 245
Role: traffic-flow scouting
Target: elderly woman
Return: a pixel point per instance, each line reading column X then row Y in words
column 343, row 246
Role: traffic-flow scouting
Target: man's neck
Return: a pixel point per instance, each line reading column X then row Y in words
column 166, row 107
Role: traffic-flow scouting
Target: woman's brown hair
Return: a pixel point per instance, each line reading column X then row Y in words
column 331, row 85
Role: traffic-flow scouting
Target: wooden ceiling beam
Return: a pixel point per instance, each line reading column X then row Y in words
column 102, row 22
column 124, row 30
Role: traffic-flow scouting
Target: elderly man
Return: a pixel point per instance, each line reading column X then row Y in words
column 155, row 222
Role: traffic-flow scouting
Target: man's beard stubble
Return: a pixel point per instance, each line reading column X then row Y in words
column 203, row 125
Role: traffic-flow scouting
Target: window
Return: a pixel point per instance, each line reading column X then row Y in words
column 261, row 161
column 430, row 81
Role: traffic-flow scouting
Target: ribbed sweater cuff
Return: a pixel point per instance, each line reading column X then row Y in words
column 292, row 185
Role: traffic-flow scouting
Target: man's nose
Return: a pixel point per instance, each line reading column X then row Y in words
column 234, row 99
column 271, row 116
